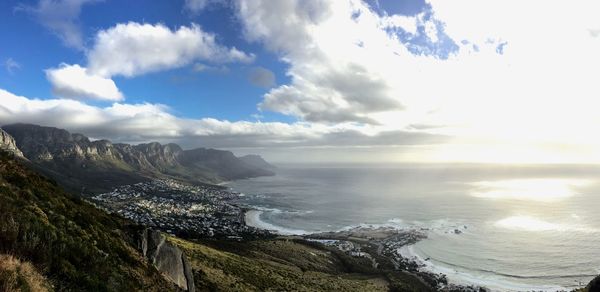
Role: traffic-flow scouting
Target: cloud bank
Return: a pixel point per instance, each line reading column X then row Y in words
column 136, row 123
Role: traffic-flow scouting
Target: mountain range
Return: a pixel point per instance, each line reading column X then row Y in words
column 83, row 165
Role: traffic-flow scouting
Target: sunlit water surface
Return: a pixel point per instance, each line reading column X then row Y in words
column 522, row 227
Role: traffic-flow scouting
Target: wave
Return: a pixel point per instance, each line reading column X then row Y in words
column 480, row 277
column 280, row 211
column 253, row 219
column 439, row 226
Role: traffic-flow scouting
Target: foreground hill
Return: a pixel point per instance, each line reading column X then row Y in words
column 71, row 243
column 77, row 162
column 288, row 264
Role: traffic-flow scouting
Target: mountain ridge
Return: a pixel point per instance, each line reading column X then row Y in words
column 96, row 166
column 257, row 161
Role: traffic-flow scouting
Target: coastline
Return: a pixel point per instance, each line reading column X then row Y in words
column 252, row 219
column 395, row 245
column 461, row 278
column 379, row 244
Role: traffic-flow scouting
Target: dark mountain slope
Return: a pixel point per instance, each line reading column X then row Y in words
column 257, row 161
column 223, row 163
column 76, row 162
column 76, row 246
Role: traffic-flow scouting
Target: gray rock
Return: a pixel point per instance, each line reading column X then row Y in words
column 7, row 143
column 168, row 259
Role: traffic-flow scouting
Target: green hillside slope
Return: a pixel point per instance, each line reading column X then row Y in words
column 75, row 246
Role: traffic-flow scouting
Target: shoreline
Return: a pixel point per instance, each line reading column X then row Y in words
column 252, row 219
column 403, row 258
column 372, row 243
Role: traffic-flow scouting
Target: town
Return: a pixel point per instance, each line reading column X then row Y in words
column 190, row 211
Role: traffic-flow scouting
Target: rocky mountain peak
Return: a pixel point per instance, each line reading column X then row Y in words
column 7, row 142
column 100, row 164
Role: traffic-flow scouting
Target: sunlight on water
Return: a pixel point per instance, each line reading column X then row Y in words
column 541, row 190
column 527, row 223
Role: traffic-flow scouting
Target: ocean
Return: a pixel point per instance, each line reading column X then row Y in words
column 504, row 227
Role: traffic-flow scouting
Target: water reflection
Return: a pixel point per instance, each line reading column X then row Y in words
column 541, row 190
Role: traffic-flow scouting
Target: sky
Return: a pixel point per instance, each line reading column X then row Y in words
column 313, row 81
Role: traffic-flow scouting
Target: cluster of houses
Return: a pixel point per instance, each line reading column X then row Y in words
column 192, row 211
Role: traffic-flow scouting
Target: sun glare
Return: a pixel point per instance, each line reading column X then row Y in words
column 527, row 223
column 541, row 190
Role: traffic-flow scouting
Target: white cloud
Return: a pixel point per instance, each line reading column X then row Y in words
column 133, row 49
column 61, row 17
column 408, row 24
column 196, row 6
column 11, row 65
column 346, row 65
column 136, row 123
column 333, row 58
column 75, row 82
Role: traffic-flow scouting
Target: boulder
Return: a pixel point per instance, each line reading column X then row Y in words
column 168, row 259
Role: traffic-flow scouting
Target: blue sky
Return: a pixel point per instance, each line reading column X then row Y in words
column 414, row 80
column 188, row 93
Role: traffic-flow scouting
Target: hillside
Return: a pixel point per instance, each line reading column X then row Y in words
column 288, row 264
column 71, row 243
column 80, row 164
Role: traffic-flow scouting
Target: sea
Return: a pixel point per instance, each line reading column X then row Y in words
column 504, row 227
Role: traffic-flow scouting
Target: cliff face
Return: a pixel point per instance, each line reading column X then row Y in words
column 168, row 259
column 161, row 157
column 47, row 144
column 77, row 162
column 7, row 143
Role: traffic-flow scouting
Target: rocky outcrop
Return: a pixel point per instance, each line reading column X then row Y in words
column 168, row 259
column 161, row 157
column 593, row 286
column 52, row 144
column 7, row 143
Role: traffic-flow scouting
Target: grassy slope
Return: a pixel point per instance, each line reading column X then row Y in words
column 16, row 275
column 284, row 265
column 73, row 244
